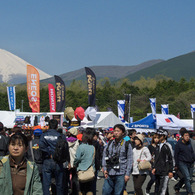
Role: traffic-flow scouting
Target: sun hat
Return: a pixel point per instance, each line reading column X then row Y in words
column 73, row 131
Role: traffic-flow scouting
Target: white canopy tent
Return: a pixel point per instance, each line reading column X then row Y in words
column 102, row 120
column 171, row 122
column 7, row 118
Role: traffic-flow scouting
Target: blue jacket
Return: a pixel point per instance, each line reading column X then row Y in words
column 48, row 141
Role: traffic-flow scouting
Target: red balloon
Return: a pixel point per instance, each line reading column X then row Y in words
column 79, row 113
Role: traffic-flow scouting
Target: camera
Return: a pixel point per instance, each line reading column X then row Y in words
column 113, row 161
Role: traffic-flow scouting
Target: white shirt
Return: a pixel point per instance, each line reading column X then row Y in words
column 145, row 155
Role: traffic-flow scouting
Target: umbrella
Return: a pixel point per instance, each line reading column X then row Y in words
column 90, row 113
column 79, row 113
column 69, row 113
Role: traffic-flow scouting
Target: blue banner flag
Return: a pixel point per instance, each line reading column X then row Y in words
column 11, row 97
column 165, row 108
column 192, row 109
column 153, row 107
column 121, row 109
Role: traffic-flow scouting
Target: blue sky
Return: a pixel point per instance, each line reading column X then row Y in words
column 61, row 36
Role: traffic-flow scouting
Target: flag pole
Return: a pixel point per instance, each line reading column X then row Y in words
column 129, row 108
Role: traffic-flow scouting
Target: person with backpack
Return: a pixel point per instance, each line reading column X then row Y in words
column 36, row 153
column 3, row 141
column 117, row 163
column 55, row 152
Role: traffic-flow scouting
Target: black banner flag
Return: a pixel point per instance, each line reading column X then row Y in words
column 126, row 113
column 91, row 84
column 60, row 94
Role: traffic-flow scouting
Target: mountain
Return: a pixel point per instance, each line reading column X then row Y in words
column 13, row 68
column 112, row 72
column 175, row 68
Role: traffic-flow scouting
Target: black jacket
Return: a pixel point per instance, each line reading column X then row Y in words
column 184, row 152
column 97, row 155
column 163, row 162
column 3, row 145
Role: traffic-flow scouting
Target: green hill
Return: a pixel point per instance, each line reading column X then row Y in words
column 175, row 68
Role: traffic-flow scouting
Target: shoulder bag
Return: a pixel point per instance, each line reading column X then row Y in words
column 144, row 165
column 88, row 175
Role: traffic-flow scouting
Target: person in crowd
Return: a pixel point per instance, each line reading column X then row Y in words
column 47, row 145
column 163, row 164
column 3, row 141
column 132, row 133
column 184, row 159
column 193, row 140
column 73, row 144
column 109, row 134
column 173, row 136
column 97, row 155
column 177, row 137
column 152, row 148
column 140, row 153
column 84, row 158
column 117, row 163
column 80, row 134
column 18, row 175
column 35, row 152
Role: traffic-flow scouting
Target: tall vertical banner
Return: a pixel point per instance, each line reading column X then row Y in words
column 33, row 88
column 60, row 94
column 11, row 97
column 91, row 84
column 192, row 106
column 165, row 108
column 52, row 98
column 121, row 109
column 127, row 107
column 153, row 107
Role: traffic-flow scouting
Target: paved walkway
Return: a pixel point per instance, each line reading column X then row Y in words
column 130, row 189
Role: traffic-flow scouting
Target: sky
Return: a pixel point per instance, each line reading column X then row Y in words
column 65, row 35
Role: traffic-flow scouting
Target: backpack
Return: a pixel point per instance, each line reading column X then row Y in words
column 61, row 150
column 36, row 153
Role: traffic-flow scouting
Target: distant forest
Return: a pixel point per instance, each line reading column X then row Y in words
column 179, row 95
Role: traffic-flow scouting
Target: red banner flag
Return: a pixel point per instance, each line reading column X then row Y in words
column 52, row 98
column 33, row 88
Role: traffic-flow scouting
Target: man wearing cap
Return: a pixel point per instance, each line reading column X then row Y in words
column 117, row 163
column 163, row 164
column 109, row 134
column 35, row 151
column 3, row 141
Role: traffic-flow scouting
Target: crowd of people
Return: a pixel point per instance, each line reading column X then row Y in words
column 63, row 162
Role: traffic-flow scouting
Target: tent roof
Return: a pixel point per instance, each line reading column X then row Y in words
column 168, row 121
column 145, row 123
column 103, row 119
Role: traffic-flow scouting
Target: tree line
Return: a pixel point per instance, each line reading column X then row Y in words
column 179, row 95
